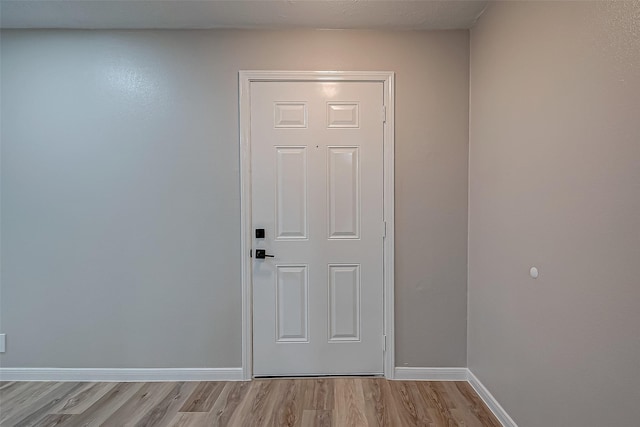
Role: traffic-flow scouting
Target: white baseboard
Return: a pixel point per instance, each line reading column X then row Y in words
column 490, row 401
column 121, row 375
column 430, row 374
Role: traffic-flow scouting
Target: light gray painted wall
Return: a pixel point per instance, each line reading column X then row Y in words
column 555, row 182
column 120, row 190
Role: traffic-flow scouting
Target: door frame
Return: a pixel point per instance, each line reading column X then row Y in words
column 245, row 78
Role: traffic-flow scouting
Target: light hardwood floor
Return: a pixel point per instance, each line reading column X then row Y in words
column 273, row 402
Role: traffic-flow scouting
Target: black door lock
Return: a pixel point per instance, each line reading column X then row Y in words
column 259, row 233
column 262, row 254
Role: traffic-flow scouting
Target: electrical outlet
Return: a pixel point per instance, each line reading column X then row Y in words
column 3, row 339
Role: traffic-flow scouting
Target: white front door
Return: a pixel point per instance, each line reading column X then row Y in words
column 317, row 192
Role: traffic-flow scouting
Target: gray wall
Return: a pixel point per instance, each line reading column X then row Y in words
column 555, row 182
column 120, row 190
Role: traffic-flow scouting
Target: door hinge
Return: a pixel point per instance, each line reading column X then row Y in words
column 384, row 228
column 384, row 343
column 384, row 114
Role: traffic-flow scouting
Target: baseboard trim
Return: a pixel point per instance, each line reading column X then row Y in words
column 430, row 374
column 121, row 375
column 490, row 401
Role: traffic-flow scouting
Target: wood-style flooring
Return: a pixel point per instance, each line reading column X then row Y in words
column 272, row 402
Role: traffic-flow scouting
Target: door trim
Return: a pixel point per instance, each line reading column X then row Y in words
column 245, row 79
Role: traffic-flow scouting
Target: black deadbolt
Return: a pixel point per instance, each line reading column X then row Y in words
column 259, row 233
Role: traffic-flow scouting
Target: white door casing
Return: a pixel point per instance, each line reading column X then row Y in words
column 320, row 153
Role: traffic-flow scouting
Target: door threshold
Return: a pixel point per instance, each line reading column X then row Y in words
column 329, row 376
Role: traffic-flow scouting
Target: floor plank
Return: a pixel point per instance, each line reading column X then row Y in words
column 102, row 409
column 257, row 407
column 136, row 407
column 23, row 396
column 406, row 407
column 311, row 402
column 289, row 412
column 319, row 394
column 44, row 405
column 84, row 398
column 165, row 411
column 53, row 420
column 189, row 419
column 441, row 413
column 24, row 401
column 348, row 402
column 316, row 418
column 6, row 384
column 203, row 397
column 379, row 407
column 227, row 403
column 469, row 400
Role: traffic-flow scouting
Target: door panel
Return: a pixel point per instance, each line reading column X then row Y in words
column 343, row 184
column 344, row 302
column 292, row 314
column 317, row 185
column 291, row 193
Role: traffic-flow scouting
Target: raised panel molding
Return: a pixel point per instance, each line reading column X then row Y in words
column 343, row 192
column 292, row 313
column 291, row 193
column 344, row 302
column 290, row 115
column 343, row 114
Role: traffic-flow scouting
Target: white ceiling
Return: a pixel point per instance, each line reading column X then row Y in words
column 179, row 14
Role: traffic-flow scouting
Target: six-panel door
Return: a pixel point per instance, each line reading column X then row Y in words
column 317, row 190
